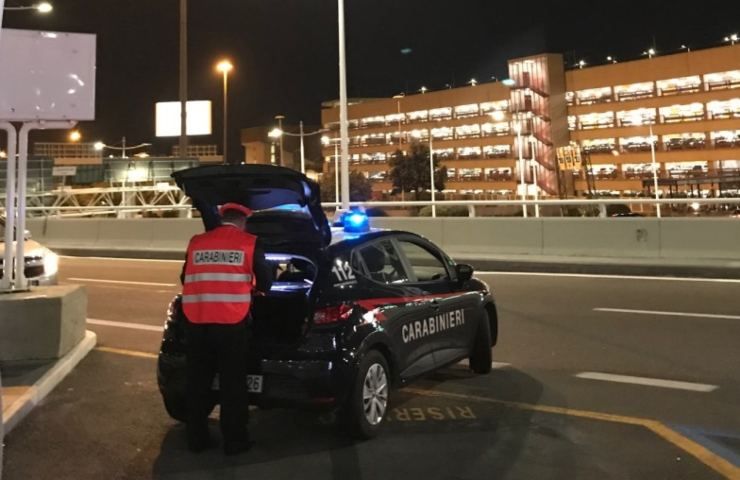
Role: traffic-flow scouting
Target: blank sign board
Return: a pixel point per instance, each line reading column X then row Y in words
column 46, row 76
column 198, row 118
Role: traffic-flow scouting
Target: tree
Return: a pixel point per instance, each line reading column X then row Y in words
column 409, row 172
column 360, row 188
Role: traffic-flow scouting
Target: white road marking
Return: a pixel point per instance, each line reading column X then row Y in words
column 651, row 382
column 614, row 277
column 116, row 259
column 121, row 282
column 668, row 314
column 465, row 363
column 131, row 326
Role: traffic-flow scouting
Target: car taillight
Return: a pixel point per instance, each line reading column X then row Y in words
column 335, row 314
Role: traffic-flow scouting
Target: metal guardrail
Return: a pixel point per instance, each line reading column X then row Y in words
column 599, row 205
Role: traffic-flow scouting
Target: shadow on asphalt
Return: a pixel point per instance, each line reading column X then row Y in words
column 426, row 436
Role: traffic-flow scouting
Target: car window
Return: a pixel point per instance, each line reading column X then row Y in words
column 383, row 263
column 344, row 270
column 425, row 265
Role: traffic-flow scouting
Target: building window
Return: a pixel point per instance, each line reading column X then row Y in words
column 377, row 121
column 470, row 174
column 444, row 133
column 570, row 98
column 444, row 153
column 684, row 141
column 682, row 113
column 594, row 95
column 418, row 116
column 598, row 145
column 468, row 153
column 463, row 111
column 640, row 116
column 497, row 151
column 636, row 144
column 725, row 139
column 498, row 174
column 723, row 80
column 675, row 86
column 374, row 139
column 440, row 113
column 634, row 91
column 378, row 177
column 596, row 120
column 395, row 118
column 467, row 131
column 489, row 107
column 724, row 110
column 686, row 169
column 495, row 129
column 572, row 122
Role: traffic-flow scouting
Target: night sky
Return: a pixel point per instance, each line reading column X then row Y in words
column 285, row 51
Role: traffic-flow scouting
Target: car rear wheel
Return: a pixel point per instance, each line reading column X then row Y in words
column 367, row 405
column 481, row 356
column 176, row 407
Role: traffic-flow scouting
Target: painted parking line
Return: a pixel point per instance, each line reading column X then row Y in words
column 698, row 451
column 128, row 325
column 128, row 353
column 649, row 382
column 613, row 277
column 668, row 314
column 121, row 282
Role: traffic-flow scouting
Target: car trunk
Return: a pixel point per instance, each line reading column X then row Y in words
column 292, row 229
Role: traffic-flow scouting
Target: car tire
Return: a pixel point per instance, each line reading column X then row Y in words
column 481, row 356
column 367, row 405
column 176, row 407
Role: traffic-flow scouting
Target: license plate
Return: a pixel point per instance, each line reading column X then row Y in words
column 254, row 383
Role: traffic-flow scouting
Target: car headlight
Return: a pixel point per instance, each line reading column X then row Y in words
column 51, row 263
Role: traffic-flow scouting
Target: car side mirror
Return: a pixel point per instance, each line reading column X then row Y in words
column 464, row 272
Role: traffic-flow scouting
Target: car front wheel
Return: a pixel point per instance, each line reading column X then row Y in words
column 367, row 405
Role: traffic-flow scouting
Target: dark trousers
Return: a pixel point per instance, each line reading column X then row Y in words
column 211, row 349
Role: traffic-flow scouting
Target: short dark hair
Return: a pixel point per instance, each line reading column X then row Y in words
column 233, row 216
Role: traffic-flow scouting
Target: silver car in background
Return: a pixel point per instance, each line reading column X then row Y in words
column 41, row 264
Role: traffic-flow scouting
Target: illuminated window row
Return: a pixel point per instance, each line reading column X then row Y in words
column 461, row 175
column 661, row 88
column 714, row 110
column 670, row 142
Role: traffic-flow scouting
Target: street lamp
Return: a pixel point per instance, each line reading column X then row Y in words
column 327, row 141
column 650, row 52
column 637, row 120
column 100, row 146
column 43, row 7
column 732, row 38
column 277, row 133
column 225, row 66
column 75, row 136
column 277, row 136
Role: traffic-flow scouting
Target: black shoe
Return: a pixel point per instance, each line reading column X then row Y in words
column 235, row 448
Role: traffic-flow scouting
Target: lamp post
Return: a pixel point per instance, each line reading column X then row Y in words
column 326, row 141
column 100, row 146
column 637, row 120
column 343, row 113
column 225, row 66
column 280, row 119
column 278, row 133
column 183, row 78
column 522, row 186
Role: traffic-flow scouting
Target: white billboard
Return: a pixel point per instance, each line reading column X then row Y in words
column 198, row 120
column 47, row 76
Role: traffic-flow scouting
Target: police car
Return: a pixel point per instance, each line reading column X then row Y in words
column 353, row 311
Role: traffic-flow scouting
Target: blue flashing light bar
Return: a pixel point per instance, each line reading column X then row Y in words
column 356, row 222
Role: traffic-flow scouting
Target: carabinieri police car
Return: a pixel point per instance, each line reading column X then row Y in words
column 352, row 312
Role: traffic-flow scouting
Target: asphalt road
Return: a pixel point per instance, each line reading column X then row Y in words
column 596, row 377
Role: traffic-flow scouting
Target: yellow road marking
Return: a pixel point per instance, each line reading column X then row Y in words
column 713, row 461
column 129, row 353
column 708, row 458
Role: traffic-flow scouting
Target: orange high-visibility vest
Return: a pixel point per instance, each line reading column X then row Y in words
column 218, row 282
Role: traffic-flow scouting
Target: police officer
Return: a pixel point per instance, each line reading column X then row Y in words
column 223, row 270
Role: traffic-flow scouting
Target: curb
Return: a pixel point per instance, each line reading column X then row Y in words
column 19, row 409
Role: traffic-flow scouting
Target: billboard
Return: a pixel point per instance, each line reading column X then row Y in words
column 168, row 118
column 46, row 76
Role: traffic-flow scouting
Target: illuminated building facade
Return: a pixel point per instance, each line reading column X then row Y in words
column 690, row 101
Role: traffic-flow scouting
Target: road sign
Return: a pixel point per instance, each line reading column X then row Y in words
column 64, row 171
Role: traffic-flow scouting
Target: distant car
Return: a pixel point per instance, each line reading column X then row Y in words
column 627, row 214
column 352, row 311
column 735, row 214
column 41, row 264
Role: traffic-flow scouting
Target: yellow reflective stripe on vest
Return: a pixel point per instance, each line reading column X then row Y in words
column 217, row 298
column 218, row 277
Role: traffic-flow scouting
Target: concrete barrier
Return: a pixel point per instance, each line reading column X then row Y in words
column 636, row 238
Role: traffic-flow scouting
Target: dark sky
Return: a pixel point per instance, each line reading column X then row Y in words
column 285, row 51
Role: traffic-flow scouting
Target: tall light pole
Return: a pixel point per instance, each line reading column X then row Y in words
column 280, row 119
column 431, row 169
column 523, row 185
column 183, row 78
column 343, row 114
column 637, row 120
column 225, row 66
